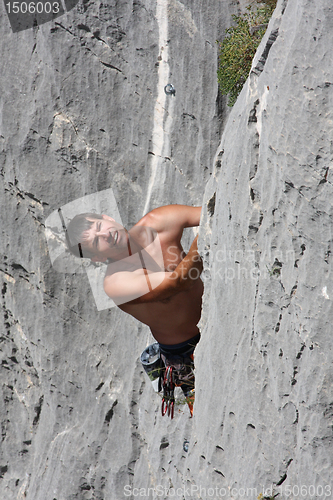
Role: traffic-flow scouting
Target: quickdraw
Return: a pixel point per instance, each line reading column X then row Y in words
column 168, row 401
column 168, row 372
column 169, row 89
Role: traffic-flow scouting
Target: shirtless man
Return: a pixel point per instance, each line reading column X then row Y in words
column 171, row 306
column 150, row 277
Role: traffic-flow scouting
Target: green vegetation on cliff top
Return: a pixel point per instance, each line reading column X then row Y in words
column 239, row 47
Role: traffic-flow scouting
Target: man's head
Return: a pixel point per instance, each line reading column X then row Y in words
column 95, row 236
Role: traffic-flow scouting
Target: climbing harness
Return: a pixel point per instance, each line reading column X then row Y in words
column 167, row 372
column 179, row 372
column 168, row 401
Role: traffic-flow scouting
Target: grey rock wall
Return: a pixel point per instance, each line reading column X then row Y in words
column 264, row 376
column 83, row 109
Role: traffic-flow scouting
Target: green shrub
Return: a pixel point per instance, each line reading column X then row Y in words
column 239, row 47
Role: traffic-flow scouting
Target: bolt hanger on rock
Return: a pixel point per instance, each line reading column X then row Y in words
column 169, row 89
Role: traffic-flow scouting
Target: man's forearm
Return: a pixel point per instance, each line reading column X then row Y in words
column 181, row 279
column 189, row 269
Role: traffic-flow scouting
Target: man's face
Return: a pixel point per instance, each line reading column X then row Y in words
column 105, row 239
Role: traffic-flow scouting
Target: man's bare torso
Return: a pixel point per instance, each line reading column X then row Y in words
column 172, row 320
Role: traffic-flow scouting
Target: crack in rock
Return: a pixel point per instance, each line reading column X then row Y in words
column 263, row 58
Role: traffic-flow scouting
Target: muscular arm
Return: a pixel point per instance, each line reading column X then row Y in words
column 189, row 269
column 170, row 220
column 124, row 287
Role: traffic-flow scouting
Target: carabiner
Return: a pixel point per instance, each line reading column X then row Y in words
column 171, row 409
column 165, row 407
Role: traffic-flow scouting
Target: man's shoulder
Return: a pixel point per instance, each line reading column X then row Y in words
column 183, row 215
column 153, row 220
column 162, row 218
column 170, row 220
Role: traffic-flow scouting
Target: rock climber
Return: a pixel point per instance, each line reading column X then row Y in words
column 149, row 276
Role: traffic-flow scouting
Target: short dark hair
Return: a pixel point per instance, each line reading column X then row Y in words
column 75, row 229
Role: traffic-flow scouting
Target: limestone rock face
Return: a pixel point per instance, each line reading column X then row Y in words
column 264, row 376
column 83, row 109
